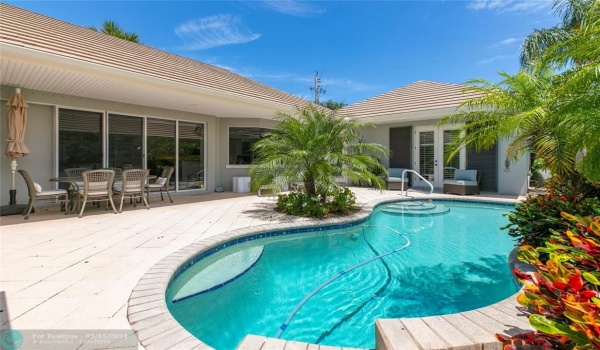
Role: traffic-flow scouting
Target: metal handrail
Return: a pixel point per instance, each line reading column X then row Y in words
column 419, row 175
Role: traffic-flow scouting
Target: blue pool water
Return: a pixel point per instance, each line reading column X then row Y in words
column 457, row 261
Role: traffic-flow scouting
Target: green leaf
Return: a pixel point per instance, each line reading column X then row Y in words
column 591, row 278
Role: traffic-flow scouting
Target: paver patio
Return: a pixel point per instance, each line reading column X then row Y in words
column 62, row 272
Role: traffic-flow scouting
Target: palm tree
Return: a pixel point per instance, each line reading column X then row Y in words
column 314, row 147
column 572, row 14
column 522, row 109
column 113, row 29
column 578, row 90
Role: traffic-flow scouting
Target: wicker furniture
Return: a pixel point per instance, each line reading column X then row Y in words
column 464, row 182
column 161, row 183
column 97, row 185
column 36, row 193
column 132, row 185
column 394, row 180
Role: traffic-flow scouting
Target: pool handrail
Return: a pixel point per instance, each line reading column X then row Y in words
column 419, row 175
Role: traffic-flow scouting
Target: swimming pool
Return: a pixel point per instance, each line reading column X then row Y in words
column 457, row 261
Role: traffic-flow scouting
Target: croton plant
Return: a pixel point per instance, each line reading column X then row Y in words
column 563, row 294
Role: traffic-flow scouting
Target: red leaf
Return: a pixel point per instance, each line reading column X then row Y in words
column 576, row 282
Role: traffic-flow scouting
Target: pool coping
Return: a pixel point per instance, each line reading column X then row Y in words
column 156, row 328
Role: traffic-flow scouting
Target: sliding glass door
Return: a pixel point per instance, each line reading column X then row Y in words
column 80, row 140
column 125, row 142
column 161, row 146
column 94, row 140
column 191, row 155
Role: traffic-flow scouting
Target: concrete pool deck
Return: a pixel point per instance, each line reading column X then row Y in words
column 73, row 274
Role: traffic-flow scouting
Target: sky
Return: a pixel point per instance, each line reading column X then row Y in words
column 359, row 48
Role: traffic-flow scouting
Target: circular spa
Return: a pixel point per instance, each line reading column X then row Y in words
column 328, row 285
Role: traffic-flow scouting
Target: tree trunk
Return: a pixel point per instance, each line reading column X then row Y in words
column 309, row 186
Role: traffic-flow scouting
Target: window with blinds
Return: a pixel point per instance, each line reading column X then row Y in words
column 79, row 140
column 449, row 137
column 125, row 142
column 427, row 154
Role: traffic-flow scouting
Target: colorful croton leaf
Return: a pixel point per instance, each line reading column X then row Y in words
column 563, row 294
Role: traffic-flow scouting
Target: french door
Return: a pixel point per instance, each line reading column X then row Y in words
column 431, row 145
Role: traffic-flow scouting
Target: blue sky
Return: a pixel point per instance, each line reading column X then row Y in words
column 360, row 48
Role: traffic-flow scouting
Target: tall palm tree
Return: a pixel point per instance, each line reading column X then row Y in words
column 572, row 14
column 314, row 147
column 519, row 108
column 578, row 90
column 113, row 29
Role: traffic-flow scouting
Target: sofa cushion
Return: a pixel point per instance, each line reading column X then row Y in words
column 460, row 182
column 465, row 175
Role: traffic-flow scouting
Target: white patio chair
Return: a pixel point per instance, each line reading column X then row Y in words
column 133, row 184
column 97, row 185
column 37, row 193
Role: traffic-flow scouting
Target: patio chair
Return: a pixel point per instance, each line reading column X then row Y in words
column 195, row 180
column 133, row 184
column 394, row 180
column 464, row 182
column 37, row 193
column 162, row 183
column 75, row 172
column 97, row 185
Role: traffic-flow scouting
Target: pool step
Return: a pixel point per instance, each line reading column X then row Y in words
column 219, row 273
column 424, row 208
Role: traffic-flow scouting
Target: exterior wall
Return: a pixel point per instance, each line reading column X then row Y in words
column 39, row 162
column 40, row 135
column 381, row 134
column 512, row 180
column 225, row 171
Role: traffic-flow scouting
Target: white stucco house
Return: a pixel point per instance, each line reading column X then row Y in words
column 97, row 101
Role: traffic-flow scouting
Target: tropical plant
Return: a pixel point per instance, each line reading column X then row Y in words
column 519, row 108
column 340, row 201
column 555, row 114
column 533, row 221
column 113, row 29
column 572, row 13
column 563, row 293
column 577, row 91
column 314, row 147
column 333, row 105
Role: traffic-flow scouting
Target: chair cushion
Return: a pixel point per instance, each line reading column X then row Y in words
column 397, row 172
column 465, row 175
column 397, row 179
column 51, row 193
column 161, row 181
column 460, row 182
column 38, row 187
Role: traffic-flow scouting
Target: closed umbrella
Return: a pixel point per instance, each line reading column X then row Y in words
column 15, row 148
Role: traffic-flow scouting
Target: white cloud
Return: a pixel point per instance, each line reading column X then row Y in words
column 504, row 43
column 293, row 7
column 213, row 31
column 496, row 58
column 521, row 6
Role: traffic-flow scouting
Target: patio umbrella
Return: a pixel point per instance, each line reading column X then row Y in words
column 16, row 119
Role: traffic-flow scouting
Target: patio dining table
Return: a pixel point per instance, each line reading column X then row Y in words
column 74, row 182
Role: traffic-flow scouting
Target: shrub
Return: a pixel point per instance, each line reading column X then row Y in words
column 338, row 201
column 532, row 221
column 563, row 294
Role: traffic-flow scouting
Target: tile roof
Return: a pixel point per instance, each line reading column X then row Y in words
column 416, row 97
column 37, row 32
